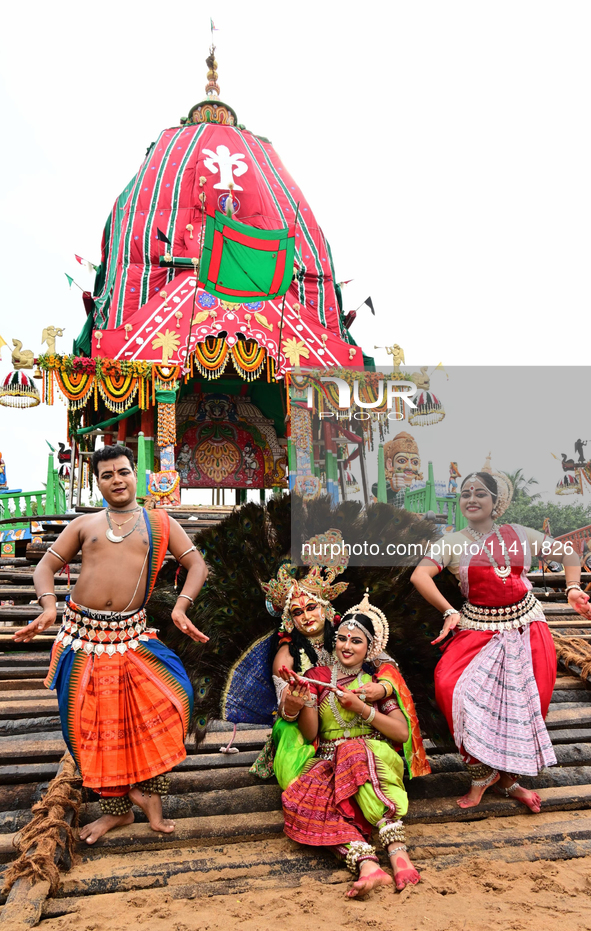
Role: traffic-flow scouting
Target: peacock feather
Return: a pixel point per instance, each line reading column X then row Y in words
column 248, row 547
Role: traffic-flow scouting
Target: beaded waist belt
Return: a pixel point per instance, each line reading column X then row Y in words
column 478, row 617
column 326, row 748
column 97, row 631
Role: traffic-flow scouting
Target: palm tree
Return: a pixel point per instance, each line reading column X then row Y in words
column 522, row 486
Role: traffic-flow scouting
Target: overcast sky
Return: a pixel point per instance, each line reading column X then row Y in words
column 443, row 146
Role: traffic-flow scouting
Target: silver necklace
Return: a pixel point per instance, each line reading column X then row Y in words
column 503, row 572
column 332, row 701
column 112, row 537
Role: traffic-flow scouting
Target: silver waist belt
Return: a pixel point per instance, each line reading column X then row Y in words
column 102, row 636
column 509, row 617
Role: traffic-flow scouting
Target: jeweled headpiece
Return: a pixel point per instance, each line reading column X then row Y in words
column 324, row 568
column 378, row 643
column 504, row 487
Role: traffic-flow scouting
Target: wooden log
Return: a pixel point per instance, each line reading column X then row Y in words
column 570, row 735
column 533, row 853
column 569, row 695
column 208, row 831
column 24, row 658
column 24, row 905
column 23, row 672
column 564, row 681
column 9, row 685
column 13, row 710
column 215, row 870
column 442, row 810
column 236, row 778
column 565, row 706
column 16, row 797
column 12, row 728
column 201, row 761
column 27, row 696
column 259, row 798
column 25, row 901
column 442, row 785
column 565, row 718
column 16, row 774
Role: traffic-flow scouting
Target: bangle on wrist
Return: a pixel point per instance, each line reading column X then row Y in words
column 39, row 597
column 572, row 585
column 371, row 715
column 449, row 611
column 289, row 717
column 188, row 597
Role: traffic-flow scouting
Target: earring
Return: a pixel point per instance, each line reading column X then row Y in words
column 288, row 625
column 494, row 512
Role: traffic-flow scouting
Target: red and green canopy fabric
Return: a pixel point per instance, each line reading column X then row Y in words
column 243, row 262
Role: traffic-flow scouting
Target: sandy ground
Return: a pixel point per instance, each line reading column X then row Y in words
column 478, row 896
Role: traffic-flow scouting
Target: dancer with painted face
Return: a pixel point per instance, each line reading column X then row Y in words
column 495, row 679
column 353, row 782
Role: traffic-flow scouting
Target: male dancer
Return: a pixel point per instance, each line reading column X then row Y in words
column 124, row 698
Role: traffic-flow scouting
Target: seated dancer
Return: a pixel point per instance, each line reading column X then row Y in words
column 354, row 781
column 495, row 679
column 124, row 698
column 306, row 638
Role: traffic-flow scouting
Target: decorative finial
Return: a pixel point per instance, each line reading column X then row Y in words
column 212, row 87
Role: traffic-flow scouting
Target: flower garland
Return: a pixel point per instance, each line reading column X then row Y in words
column 248, row 358
column 211, row 357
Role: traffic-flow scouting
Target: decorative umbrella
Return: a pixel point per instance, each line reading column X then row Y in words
column 19, row 390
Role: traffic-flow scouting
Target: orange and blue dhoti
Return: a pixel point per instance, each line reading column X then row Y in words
column 124, row 699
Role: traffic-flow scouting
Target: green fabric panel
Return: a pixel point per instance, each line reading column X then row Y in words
column 163, row 396
column 245, row 268
column 82, row 345
column 292, row 752
column 109, row 423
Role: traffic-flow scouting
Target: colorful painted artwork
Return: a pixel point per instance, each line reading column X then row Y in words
column 164, row 489
column 226, row 442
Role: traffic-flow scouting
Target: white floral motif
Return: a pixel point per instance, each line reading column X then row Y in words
column 227, row 165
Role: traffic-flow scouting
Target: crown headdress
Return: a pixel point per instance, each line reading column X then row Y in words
column 324, row 568
column 378, row 643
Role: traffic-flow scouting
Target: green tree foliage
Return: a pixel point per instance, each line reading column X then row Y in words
column 563, row 517
column 522, row 486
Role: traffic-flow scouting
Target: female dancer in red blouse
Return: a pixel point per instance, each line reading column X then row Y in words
column 495, row 679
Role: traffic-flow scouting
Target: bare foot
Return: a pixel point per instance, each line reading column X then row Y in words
column 526, row 796
column 474, row 796
column 370, row 876
column 91, row 832
column 404, row 872
column 151, row 805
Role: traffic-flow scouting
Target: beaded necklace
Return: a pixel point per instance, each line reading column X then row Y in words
column 503, row 572
column 332, row 701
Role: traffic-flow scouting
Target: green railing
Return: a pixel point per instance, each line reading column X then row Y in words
column 26, row 504
column 421, row 500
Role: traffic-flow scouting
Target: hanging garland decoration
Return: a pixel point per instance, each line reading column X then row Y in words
column 248, row 358
column 118, row 391
column 75, row 386
column 167, row 376
column 166, row 417
column 211, row 357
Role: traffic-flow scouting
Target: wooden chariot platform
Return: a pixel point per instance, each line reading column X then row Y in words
column 228, row 834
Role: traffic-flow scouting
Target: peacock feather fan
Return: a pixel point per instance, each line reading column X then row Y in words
column 246, row 549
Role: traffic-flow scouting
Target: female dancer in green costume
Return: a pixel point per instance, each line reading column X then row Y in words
column 306, row 639
column 354, row 780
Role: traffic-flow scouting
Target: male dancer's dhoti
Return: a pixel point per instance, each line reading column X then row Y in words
column 124, row 699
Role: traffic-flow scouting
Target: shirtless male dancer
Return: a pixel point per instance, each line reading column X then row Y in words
column 124, row 698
